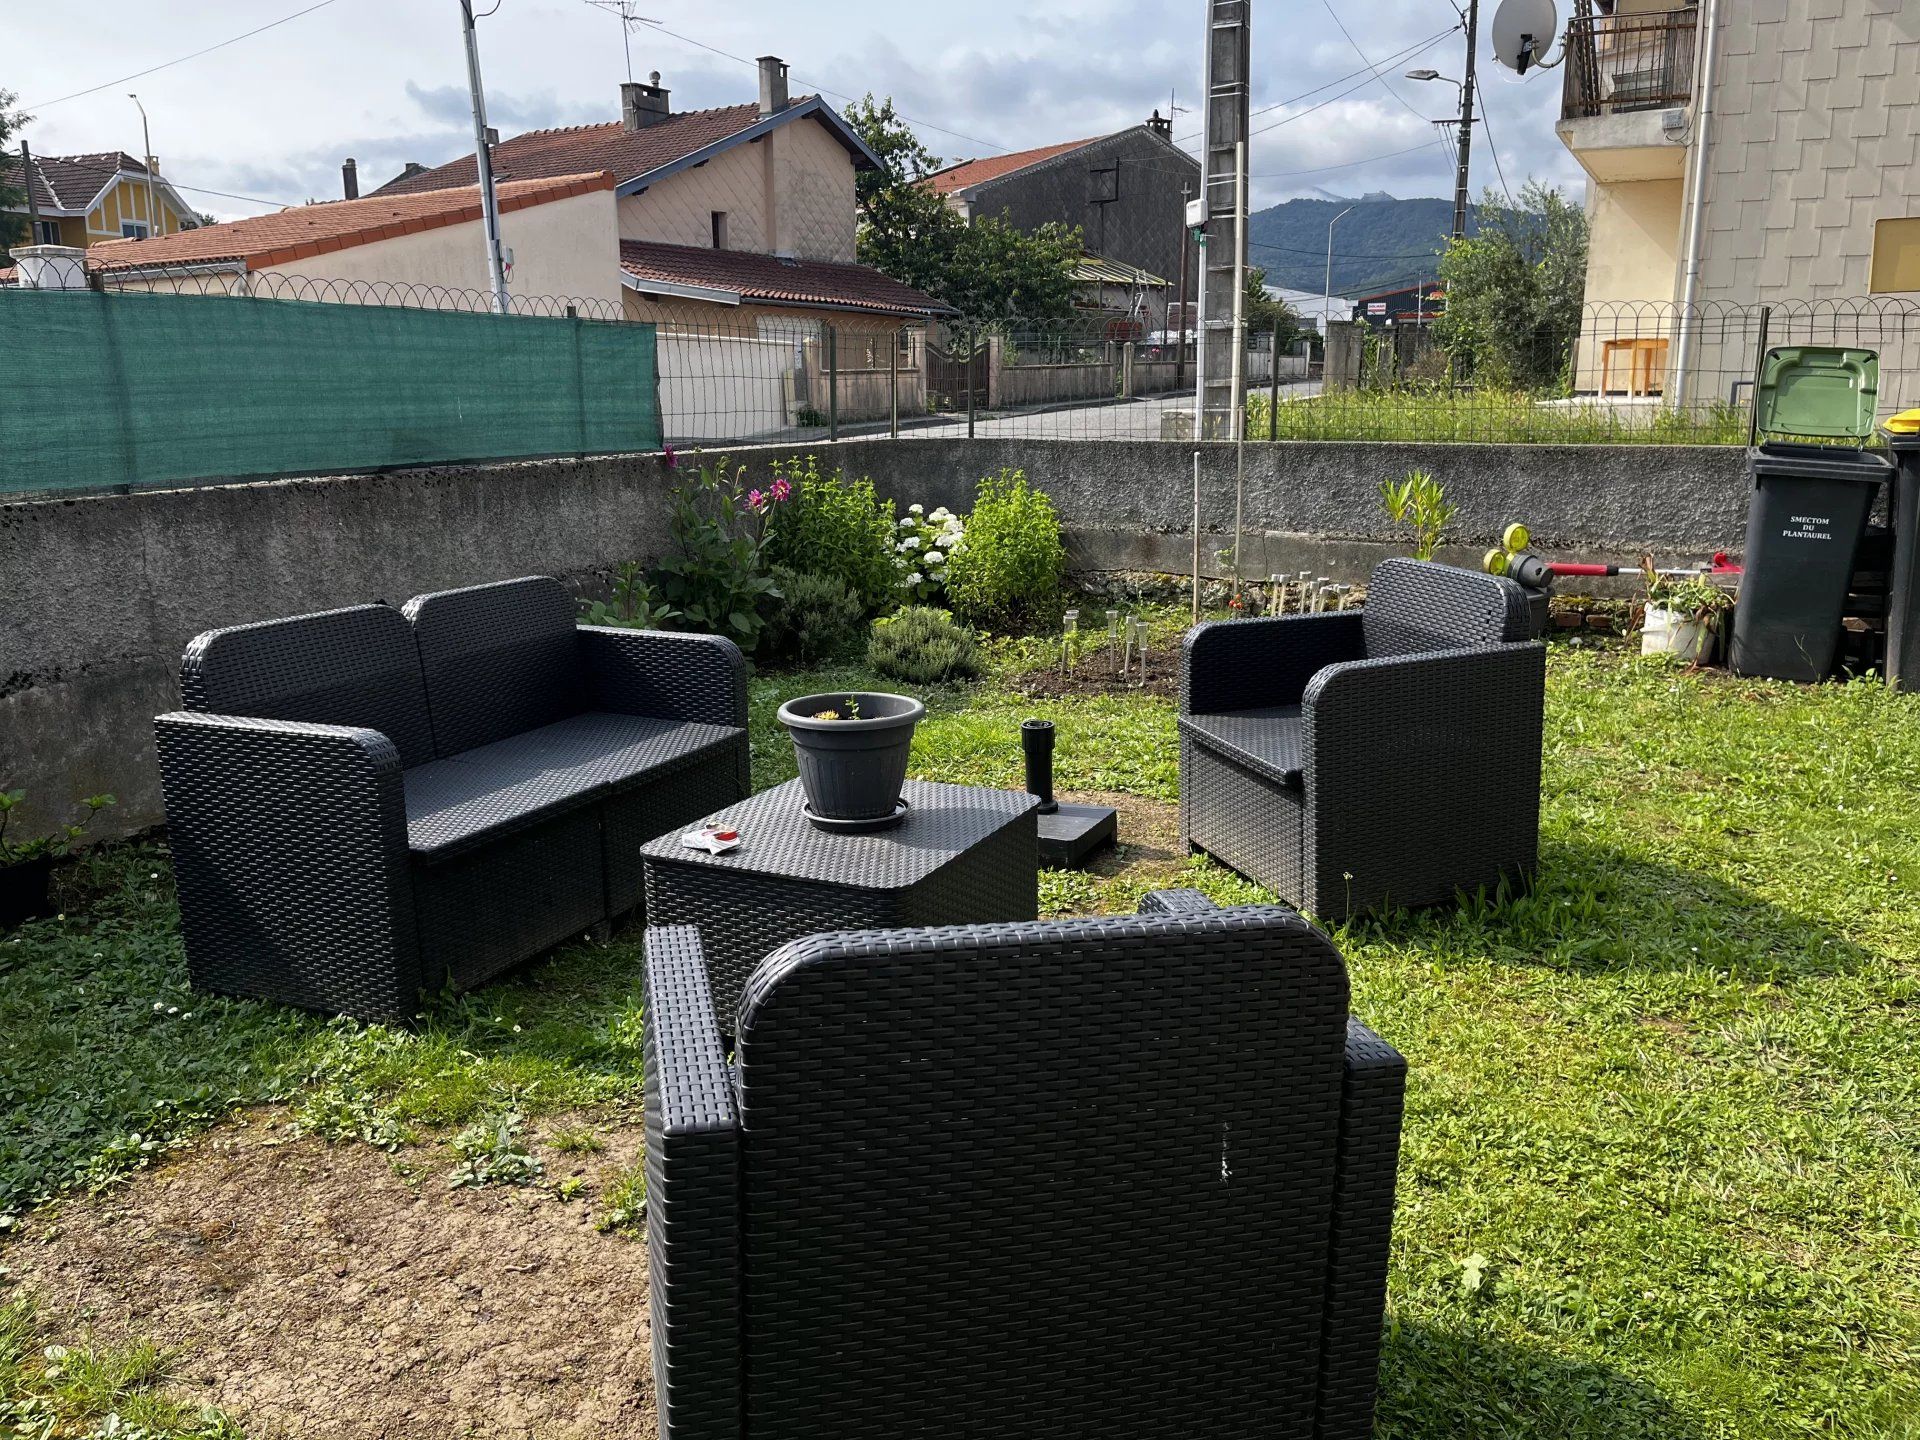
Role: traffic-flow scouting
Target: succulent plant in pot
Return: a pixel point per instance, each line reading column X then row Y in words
column 27, row 865
column 852, row 747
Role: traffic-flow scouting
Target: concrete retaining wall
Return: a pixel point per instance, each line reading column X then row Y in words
column 99, row 596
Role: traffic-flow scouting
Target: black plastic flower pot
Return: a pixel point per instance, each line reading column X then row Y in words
column 852, row 766
column 23, row 890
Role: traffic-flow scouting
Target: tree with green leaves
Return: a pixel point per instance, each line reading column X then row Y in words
column 13, row 175
column 987, row 269
column 1266, row 313
column 1515, row 290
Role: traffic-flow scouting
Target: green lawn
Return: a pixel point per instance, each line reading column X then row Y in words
column 1660, row 1163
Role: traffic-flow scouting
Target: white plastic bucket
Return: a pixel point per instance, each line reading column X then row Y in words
column 1667, row 632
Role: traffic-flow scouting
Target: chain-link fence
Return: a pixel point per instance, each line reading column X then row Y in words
column 1624, row 374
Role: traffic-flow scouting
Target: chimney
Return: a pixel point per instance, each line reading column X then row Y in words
column 643, row 105
column 773, row 85
column 350, row 179
column 1160, row 125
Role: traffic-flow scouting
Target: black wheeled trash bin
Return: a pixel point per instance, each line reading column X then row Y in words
column 1805, row 520
column 1903, row 590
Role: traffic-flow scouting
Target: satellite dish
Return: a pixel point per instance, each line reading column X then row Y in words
column 1523, row 31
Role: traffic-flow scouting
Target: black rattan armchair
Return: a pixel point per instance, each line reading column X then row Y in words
column 367, row 803
column 1355, row 760
column 1056, row 1179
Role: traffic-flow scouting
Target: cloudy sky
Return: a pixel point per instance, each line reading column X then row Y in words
column 270, row 116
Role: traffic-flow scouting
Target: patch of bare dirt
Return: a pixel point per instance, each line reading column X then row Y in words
column 1094, row 676
column 1148, row 852
column 335, row 1291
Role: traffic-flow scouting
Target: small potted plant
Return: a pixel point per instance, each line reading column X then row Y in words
column 1685, row 615
column 27, row 865
column 852, row 747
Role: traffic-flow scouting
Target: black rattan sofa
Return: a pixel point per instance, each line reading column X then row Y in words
column 369, row 803
column 1127, row 1176
column 1354, row 760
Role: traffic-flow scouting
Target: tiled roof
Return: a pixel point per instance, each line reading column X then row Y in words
column 302, row 231
column 613, row 147
column 70, row 182
column 770, row 280
column 978, row 172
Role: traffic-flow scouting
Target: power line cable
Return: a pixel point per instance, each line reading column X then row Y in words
column 167, row 64
column 1337, row 80
column 1396, row 60
column 1498, row 169
column 228, row 194
column 1385, row 84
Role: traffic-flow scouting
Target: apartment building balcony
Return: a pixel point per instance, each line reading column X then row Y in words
column 1627, row 91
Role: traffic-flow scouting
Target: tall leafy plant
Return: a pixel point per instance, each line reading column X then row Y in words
column 716, row 574
column 1007, row 574
column 1419, row 502
column 830, row 525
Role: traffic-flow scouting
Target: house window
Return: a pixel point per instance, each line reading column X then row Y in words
column 46, row 232
column 133, row 229
column 719, row 229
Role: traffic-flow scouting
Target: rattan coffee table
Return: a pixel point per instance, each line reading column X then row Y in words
column 962, row 856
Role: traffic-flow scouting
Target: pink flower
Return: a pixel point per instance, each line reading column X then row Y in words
column 781, row 490
column 756, row 500
column 672, row 460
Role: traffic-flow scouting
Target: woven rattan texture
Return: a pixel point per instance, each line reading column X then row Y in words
column 1374, row 1092
column 485, row 910
column 289, row 851
column 499, row 660
column 1415, row 606
column 1418, row 766
column 355, row 667
column 292, row 839
column 666, row 805
column 963, row 856
column 693, row 1199
column 1242, row 664
column 1244, row 820
column 479, row 794
column 977, row 1161
column 659, row 672
column 1423, row 777
column 1265, row 740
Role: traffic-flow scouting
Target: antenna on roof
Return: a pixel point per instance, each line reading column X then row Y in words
column 630, row 19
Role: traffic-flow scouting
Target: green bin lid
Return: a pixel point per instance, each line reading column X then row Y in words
column 1818, row 390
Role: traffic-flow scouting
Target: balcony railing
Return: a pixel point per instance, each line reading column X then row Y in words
column 1617, row 63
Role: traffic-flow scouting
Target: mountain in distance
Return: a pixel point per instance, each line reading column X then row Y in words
column 1383, row 244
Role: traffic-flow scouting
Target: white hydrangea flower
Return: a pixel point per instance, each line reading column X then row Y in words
column 906, row 522
column 912, row 542
column 934, row 557
column 941, row 514
column 916, row 509
column 915, row 578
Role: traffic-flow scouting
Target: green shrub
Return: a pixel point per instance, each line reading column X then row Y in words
column 1006, row 574
column 818, row 617
column 714, row 578
column 831, row 525
column 923, row 647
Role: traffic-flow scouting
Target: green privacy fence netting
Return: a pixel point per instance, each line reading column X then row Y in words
column 110, row 389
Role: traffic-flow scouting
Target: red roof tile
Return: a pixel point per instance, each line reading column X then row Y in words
column 302, row 231
column 978, row 172
column 770, row 280
column 569, row 151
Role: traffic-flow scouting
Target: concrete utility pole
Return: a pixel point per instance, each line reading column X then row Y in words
column 1466, row 124
column 1220, row 401
column 483, row 159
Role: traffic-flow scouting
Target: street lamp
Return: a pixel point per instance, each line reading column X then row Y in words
column 146, row 144
column 1465, row 87
column 1328, row 290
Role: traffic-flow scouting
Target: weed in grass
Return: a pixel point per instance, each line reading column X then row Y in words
column 494, row 1151
column 623, row 1206
column 575, row 1140
column 91, row 1393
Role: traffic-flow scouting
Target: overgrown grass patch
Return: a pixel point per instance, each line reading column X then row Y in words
column 1659, row 1177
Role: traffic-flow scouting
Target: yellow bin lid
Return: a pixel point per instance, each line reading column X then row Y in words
column 1907, row 422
